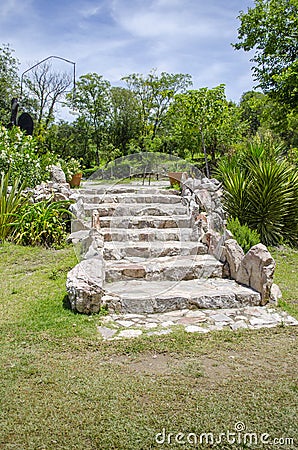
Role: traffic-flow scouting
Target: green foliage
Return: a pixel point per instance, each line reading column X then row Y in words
column 43, row 223
column 154, row 94
column 88, row 172
column 176, row 186
column 70, row 167
column 11, row 201
column 271, row 29
column 19, row 156
column 203, row 120
column 124, row 118
column 293, row 156
column 261, row 191
column 92, row 102
column 9, row 82
column 263, row 114
column 245, row 237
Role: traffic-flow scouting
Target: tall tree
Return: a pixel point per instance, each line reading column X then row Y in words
column 124, row 118
column 92, row 102
column 204, row 120
column 252, row 107
column 9, row 81
column 263, row 114
column 155, row 93
column 44, row 88
column 270, row 28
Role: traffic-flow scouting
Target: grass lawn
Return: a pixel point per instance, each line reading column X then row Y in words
column 63, row 388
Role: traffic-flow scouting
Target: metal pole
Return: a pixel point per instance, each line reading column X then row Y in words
column 49, row 57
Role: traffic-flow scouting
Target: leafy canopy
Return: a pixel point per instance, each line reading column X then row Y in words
column 271, row 29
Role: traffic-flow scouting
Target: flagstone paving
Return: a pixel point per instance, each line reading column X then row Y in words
column 119, row 326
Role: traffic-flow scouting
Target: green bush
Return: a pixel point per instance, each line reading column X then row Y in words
column 245, row 237
column 260, row 189
column 90, row 171
column 43, row 223
column 19, row 156
column 70, row 167
column 11, row 201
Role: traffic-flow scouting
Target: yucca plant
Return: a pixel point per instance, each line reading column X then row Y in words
column 11, row 201
column 237, row 201
column 261, row 190
column 265, row 197
column 43, row 223
column 270, row 198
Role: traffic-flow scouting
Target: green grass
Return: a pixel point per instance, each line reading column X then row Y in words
column 286, row 277
column 63, row 388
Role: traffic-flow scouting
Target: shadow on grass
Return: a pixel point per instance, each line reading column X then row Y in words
column 66, row 303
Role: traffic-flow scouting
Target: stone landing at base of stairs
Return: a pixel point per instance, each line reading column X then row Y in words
column 121, row 326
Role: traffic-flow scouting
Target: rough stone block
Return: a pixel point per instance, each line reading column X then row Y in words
column 84, row 286
column 57, row 174
column 256, row 270
column 234, row 255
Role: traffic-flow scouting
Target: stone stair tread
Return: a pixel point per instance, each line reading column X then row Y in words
column 165, row 267
column 148, row 234
column 168, row 221
column 160, row 296
column 157, row 244
column 130, row 198
column 140, row 206
column 124, row 189
column 120, row 250
column 181, row 261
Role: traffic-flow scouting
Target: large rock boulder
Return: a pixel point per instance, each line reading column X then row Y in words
column 84, row 286
column 57, row 174
column 256, row 270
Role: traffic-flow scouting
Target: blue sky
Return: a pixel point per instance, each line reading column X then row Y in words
column 117, row 37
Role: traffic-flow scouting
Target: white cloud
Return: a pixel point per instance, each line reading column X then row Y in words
column 118, row 37
column 167, row 20
column 7, row 8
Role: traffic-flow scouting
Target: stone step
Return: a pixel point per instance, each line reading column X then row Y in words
column 173, row 221
column 135, row 234
column 165, row 268
column 136, row 197
column 141, row 296
column 118, row 189
column 149, row 234
column 137, row 209
column 120, row 250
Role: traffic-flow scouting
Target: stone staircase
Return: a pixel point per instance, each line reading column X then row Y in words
column 154, row 261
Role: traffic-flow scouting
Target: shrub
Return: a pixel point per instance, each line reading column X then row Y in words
column 245, row 237
column 19, row 155
column 260, row 189
column 70, row 167
column 43, row 223
column 11, row 201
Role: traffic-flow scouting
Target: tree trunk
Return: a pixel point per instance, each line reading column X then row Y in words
column 205, row 154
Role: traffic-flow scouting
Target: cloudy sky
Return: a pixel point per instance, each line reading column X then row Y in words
column 117, row 37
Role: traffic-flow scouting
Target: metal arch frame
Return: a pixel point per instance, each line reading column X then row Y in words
column 46, row 59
